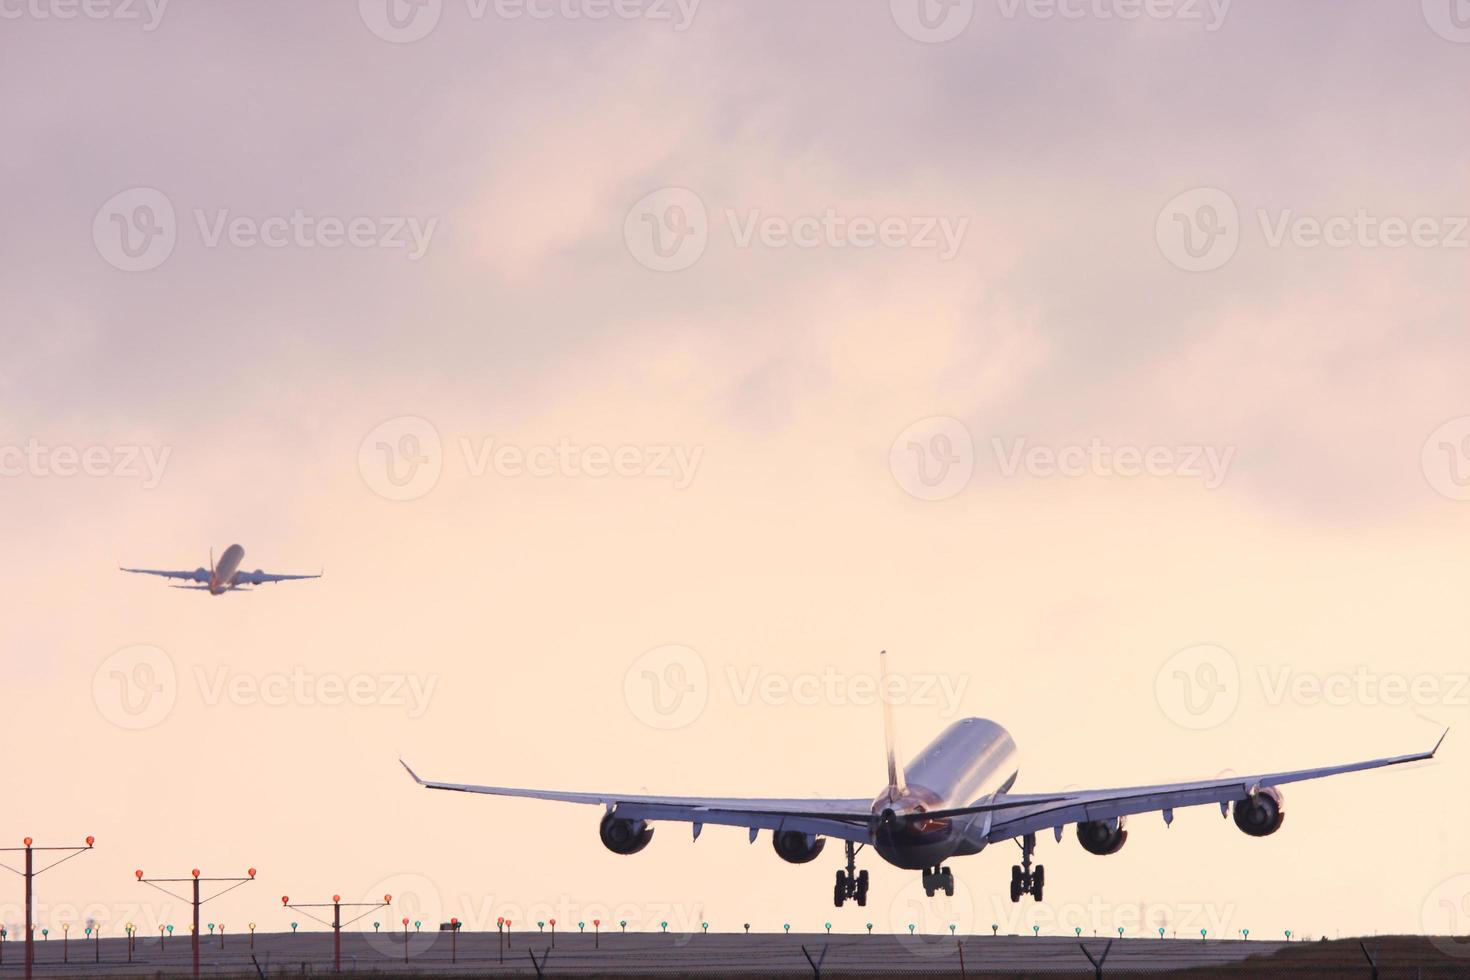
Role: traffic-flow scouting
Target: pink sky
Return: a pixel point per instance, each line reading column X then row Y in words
column 889, row 240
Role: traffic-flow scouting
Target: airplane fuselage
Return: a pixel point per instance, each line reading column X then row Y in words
column 971, row 762
column 223, row 576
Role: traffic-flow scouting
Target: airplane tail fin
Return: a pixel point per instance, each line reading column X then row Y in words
column 211, row 561
column 896, row 785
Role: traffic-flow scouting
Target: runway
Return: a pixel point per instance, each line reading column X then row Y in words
column 612, row 954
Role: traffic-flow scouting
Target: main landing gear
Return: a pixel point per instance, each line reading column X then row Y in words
column 851, row 883
column 1024, row 881
column 938, row 879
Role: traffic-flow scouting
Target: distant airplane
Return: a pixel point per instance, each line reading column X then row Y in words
column 953, row 801
column 224, row 577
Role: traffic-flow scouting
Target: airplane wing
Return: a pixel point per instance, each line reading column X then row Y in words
column 1107, row 804
column 196, row 575
column 261, row 578
column 844, row 819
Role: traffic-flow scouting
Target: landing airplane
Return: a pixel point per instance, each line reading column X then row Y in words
column 953, row 800
column 224, row 577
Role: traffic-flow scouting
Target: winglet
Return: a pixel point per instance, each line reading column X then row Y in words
column 1439, row 743
column 411, row 773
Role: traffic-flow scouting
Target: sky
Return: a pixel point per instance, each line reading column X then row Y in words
column 636, row 371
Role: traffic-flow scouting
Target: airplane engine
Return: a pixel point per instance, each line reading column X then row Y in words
column 1261, row 815
column 1103, row 837
column 257, row 575
column 797, row 847
column 625, row 836
column 202, row 574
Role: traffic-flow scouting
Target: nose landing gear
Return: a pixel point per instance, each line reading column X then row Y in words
column 1024, row 881
column 938, row 879
column 851, row 883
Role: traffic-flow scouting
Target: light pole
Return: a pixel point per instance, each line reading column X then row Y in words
column 336, row 924
column 29, row 874
column 195, row 881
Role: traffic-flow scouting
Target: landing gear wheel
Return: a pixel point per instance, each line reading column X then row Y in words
column 938, row 879
column 850, row 883
column 1024, row 881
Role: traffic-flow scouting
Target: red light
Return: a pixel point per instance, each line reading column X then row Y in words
column 507, row 922
column 28, row 842
column 251, row 872
column 91, row 841
column 285, row 899
column 597, row 922
column 553, row 922
column 500, row 921
column 387, row 899
column 336, row 898
column 139, row 873
column 405, row 922
column 196, row 872
column 454, row 922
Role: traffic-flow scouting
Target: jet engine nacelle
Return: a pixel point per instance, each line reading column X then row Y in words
column 797, row 847
column 1103, row 837
column 1260, row 815
column 625, row 836
column 201, row 574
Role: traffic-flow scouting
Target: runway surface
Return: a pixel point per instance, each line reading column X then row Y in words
column 627, row 955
